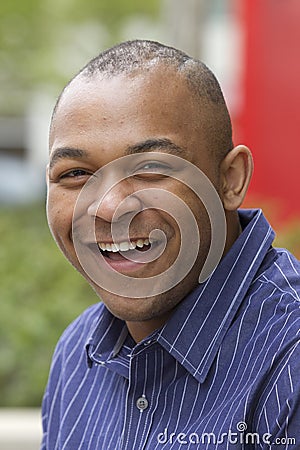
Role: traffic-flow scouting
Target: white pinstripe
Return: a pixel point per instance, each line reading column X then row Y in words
column 252, row 377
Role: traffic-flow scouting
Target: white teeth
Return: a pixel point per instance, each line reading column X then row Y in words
column 123, row 246
column 140, row 243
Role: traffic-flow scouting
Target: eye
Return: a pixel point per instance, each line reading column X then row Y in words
column 75, row 173
column 72, row 178
column 152, row 169
column 152, row 166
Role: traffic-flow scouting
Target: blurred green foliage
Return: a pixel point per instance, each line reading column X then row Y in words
column 40, row 295
column 42, row 43
column 40, row 40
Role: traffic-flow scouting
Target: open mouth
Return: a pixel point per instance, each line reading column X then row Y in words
column 119, row 250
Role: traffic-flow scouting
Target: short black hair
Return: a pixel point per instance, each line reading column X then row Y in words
column 134, row 56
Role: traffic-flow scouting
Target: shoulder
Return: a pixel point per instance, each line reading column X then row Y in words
column 70, row 351
column 271, row 309
column 68, row 368
column 281, row 276
column 285, row 265
column 76, row 335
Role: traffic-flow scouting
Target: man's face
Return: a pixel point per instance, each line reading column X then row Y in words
column 98, row 122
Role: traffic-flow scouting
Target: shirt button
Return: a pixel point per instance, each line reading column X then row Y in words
column 142, row 403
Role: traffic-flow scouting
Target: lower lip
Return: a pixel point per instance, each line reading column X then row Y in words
column 124, row 265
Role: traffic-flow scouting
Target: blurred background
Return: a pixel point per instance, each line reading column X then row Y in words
column 253, row 48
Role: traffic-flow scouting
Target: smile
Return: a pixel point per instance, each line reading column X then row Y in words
column 130, row 254
column 124, row 246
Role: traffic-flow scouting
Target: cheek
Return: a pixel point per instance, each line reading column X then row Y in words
column 188, row 204
column 194, row 220
column 59, row 214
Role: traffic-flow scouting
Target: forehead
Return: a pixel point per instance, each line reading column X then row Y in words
column 124, row 109
column 158, row 90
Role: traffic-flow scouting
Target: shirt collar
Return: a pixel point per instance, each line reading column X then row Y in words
column 195, row 331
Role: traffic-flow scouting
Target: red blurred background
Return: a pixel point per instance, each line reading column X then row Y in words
column 269, row 120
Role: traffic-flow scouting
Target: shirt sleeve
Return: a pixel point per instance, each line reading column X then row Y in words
column 75, row 335
column 278, row 414
column 44, row 421
column 51, row 403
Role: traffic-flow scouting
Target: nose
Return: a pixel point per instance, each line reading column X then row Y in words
column 112, row 204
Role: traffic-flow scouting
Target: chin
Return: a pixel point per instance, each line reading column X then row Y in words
column 128, row 309
column 139, row 309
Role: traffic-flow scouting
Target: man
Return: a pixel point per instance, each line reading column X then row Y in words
column 144, row 186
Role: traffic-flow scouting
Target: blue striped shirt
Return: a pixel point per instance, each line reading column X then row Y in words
column 223, row 373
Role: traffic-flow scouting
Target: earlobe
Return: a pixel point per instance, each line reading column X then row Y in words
column 236, row 171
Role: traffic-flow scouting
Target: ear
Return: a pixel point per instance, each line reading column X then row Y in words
column 236, row 171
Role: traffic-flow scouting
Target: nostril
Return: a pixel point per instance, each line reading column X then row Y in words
column 115, row 205
column 130, row 206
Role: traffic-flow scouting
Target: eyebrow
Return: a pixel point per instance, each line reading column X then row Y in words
column 66, row 153
column 145, row 146
column 155, row 144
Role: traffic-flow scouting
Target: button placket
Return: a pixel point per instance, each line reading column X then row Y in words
column 141, row 400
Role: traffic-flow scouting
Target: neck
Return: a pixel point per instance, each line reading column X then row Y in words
column 140, row 330
column 234, row 229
